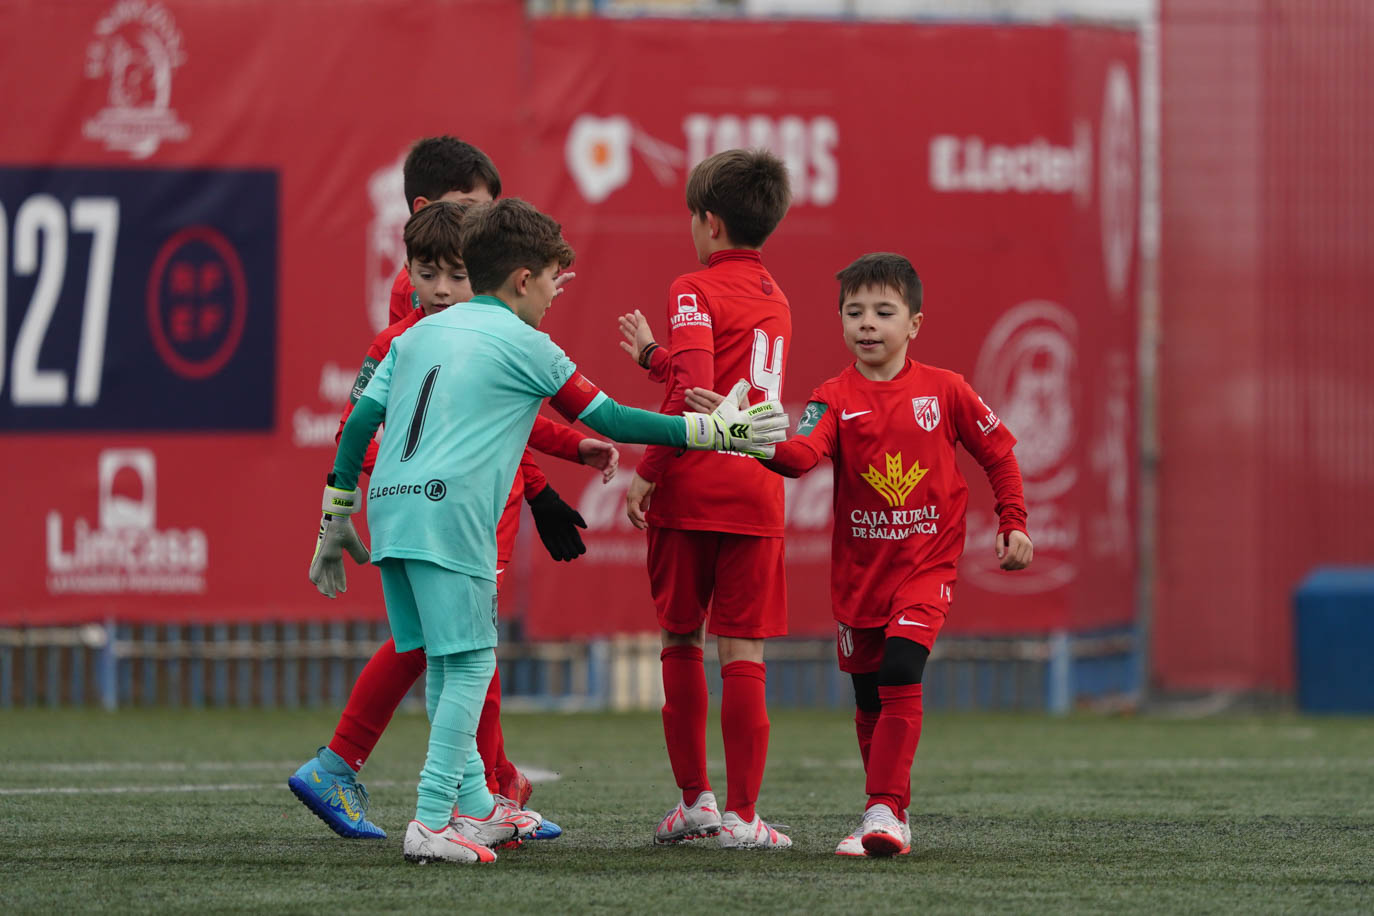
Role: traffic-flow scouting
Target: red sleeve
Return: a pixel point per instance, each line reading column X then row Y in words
column 979, row 429
column 659, row 361
column 815, row 440
column 556, row 439
column 1005, row 477
column 401, row 304
column 691, row 369
column 573, row 398
column 533, row 478
column 690, row 324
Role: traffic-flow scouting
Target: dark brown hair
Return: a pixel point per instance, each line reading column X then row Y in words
column 746, row 189
column 503, row 237
column 432, row 234
column 437, row 165
column 882, row 269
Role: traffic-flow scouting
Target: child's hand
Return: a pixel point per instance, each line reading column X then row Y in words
column 635, row 328
column 637, row 501
column 601, row 455
column 560, row 281
column 1014, row 549
column 703, row 400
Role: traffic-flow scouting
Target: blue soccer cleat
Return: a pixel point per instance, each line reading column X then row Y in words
column 548, row 830
column 340, row 801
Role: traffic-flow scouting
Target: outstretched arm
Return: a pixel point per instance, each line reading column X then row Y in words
column 815, row 437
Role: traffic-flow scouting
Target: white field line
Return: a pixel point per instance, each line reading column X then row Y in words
column 534, row 774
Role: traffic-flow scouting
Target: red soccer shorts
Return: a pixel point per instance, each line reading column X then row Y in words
column 740, row 577
column 860, row 649
column 507, row 527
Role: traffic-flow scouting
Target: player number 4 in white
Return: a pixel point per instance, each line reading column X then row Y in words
column 765, row 365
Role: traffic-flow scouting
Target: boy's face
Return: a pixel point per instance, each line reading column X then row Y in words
column 878, row 326
column 439, row 285
column 537, row 296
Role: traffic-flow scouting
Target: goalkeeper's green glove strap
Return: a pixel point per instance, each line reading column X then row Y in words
column 336, row 535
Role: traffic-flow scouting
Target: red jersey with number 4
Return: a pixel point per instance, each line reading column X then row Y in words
column 900, row 498
column 735, row 312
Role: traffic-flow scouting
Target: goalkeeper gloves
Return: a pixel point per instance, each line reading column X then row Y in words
column 336, row 536
column 734, row 426
column 558, row 523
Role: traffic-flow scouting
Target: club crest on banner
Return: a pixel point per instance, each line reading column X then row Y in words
column 1028, row 370
column 136, row 47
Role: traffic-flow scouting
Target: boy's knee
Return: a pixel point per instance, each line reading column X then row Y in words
column 866, row 691
column 904, row 662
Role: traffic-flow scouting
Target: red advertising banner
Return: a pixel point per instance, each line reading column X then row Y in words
column 197, row 242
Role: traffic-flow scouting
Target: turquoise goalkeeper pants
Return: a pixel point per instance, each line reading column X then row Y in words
column 453, row 775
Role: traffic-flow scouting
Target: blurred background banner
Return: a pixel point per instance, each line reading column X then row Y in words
column 1146, row 239
column 203, row 224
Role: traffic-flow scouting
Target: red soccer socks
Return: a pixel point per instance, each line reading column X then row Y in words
column 744, row 728
column 684, row 718
column 491, row 741
column 864, row 723
column 894, row 747
column 383, row 684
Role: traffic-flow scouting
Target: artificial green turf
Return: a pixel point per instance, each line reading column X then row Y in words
column 1011, row 814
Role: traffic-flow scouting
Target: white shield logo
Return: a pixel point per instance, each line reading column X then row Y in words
column 598, row 155
column 845, row 640
column 927, row 412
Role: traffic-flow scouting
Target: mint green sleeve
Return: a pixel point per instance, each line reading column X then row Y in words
column 362, row 423
column 630, row 424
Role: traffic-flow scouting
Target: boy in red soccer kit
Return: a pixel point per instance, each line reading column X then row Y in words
column 715, row 524
column 890, row 425
column 442, row 169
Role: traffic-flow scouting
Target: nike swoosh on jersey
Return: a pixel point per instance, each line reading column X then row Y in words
column 911, row 623
column 846, row 415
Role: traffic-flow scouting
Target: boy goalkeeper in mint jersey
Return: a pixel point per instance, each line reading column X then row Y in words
column 459, row 392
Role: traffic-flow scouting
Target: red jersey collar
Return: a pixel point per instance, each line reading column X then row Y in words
column 734, row 254
column 865, row 380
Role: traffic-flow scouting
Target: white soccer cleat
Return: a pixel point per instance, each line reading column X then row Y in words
column 507, row 823
column 852, row 845
column 423, row 845
column 736, row 833
column 884, row 834
column 689, row 823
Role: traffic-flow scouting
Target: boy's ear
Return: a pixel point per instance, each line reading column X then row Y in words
column 916, row 321
column 419, row 204
column 714, row 225
column 521, row 279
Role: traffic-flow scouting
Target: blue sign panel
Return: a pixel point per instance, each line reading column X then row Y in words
column 137, row 300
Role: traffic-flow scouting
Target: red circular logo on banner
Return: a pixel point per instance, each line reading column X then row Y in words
column 197, row 302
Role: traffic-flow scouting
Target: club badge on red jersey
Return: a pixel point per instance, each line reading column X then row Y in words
column 927, row 412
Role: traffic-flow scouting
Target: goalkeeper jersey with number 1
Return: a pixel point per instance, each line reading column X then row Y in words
column 460, row 389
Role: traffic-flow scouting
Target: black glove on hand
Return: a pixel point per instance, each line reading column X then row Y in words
column 558, row 523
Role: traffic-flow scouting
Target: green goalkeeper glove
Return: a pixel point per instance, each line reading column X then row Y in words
column 336, row 536
column 734, row 426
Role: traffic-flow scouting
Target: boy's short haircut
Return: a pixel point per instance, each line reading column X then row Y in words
column 878, row 270
column 433, row 233
column 436, row 165
column 502, row 237
column 747, row 189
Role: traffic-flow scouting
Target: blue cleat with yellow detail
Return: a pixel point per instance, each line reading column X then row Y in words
column 328, row 786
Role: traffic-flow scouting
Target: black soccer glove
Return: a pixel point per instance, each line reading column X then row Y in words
column 558, row 523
